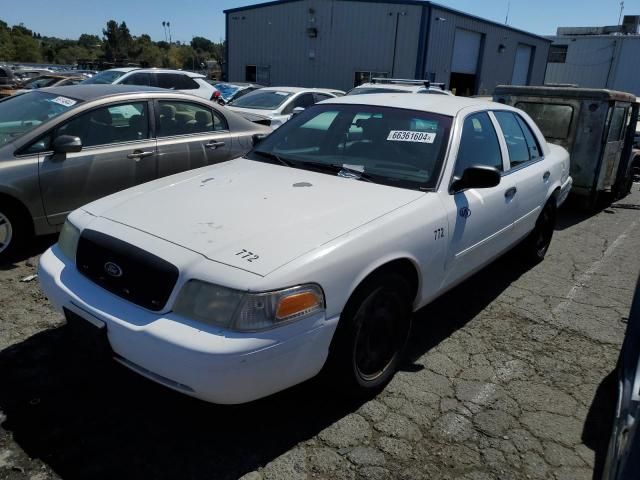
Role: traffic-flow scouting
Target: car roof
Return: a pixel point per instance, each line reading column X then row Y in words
column 300, row 89
column 441, row 104
column 393, row 86
column 160, row 70
column 90, row 92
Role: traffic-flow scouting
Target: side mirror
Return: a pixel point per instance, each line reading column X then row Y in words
column 67, row 144
column 479, row 176
column 257, row 138
column 297, row 110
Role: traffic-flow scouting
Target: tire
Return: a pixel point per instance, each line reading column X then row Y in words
column 13, row 231
column 371, row 338
column 536, row 245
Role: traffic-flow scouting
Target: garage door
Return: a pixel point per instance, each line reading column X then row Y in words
column 466, row 50
column 521, row 66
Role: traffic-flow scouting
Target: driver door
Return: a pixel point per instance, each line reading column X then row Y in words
column 117, row 153
column 480, row 219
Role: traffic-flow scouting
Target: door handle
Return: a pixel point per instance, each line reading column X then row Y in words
column 546, row 175
column 214, row 145
column 138, row 154
column 510, row 193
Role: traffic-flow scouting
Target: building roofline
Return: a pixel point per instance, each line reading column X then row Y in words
column 424, row 3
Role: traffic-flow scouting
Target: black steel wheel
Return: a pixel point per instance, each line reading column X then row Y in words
column 372, row 335
column 536, row 245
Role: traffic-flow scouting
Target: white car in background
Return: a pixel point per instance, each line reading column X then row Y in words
column 187, row 82
column 399, row 85
column 234, row 281
column 272, row 106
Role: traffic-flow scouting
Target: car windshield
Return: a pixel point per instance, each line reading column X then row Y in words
column 20, row 114
column 390, row 146
column 226, row 89
column 104, row 78
column 365, row 90
column 41, row 82
column 262, row 99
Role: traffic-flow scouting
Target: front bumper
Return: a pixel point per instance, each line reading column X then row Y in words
column 209, row 363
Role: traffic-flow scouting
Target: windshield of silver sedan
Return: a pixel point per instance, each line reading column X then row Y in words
column 390, row 146
column 20, row 114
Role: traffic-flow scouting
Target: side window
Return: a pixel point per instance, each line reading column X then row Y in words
column 617, row 122
column 305, row 100
column 478, row 144
column 514, row 136
column 138, row 79
column 114, row 124
column 175, row 81
column 530, row 138
column 318, row 97
column 185, row 118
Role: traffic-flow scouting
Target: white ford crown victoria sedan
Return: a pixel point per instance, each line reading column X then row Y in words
column 235, row 281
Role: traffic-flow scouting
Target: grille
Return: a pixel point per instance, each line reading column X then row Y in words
column 126, row 270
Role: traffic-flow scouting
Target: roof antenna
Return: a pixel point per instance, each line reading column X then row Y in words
column 506, row 20
column 621, row 10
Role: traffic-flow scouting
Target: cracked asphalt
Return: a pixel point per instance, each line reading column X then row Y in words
column 509, row 377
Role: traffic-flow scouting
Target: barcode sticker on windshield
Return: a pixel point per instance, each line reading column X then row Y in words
column 67, row 102
column 409, row 136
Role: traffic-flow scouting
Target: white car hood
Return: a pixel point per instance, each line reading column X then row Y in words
column 234, row 211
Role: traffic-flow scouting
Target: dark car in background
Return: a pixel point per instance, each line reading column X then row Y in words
column 232, row 91
column 63, row 147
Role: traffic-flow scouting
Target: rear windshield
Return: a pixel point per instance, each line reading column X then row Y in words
column 262, row 99
column 396, row 147
column 20, row 114
column 553, row 120
column 104, row 78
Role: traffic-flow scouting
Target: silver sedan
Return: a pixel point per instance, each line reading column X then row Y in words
column 62, row 147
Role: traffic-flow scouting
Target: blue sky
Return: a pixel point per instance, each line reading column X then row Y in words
column 70, row 18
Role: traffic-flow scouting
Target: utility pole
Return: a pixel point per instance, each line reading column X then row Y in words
column 506, row 20
column 621, row 10
column 169, row 27
column 164, row 27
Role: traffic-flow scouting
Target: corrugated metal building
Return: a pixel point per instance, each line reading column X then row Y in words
column 341, row 43
column 598, row 61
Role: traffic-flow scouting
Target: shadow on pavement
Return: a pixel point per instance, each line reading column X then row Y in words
column 91, row 420
column 599, row 422
column 35, row 247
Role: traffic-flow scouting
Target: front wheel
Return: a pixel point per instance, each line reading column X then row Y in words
column 13, row 231
column 372, row 334
column 536, row 245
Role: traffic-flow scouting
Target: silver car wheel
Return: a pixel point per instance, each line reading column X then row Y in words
column 6, row 232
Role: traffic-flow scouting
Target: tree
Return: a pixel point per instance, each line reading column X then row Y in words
column 89, row 41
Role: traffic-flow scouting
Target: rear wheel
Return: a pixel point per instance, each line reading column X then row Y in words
column 536, row 245
column 372, row 334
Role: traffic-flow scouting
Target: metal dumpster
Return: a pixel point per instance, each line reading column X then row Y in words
column 596, row 126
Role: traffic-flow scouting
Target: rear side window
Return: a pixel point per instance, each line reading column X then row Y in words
column 554, row 121
column 530, row 138
column 514, row 136
column 617, row 122
column 478, row 144
column 184, row 118
column 305, row 100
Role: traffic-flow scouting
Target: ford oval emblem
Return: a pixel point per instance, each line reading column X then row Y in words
column 113, row 269
column 465, row 212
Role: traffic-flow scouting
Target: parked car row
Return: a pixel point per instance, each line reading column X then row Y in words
column 307, row 251
column 62, row 147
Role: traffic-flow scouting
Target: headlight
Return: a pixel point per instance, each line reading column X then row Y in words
column 247, row 312
column 68, row 240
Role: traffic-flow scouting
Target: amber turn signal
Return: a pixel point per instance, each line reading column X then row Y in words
column 297, row 304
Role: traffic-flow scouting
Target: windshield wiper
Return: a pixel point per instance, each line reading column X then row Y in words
column 273, row 156
column 353, row 173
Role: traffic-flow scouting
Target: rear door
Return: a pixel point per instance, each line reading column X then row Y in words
column 480, row 220
column 117, row 153
column 528, row 169
column 618, row 117
column 190, row 135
